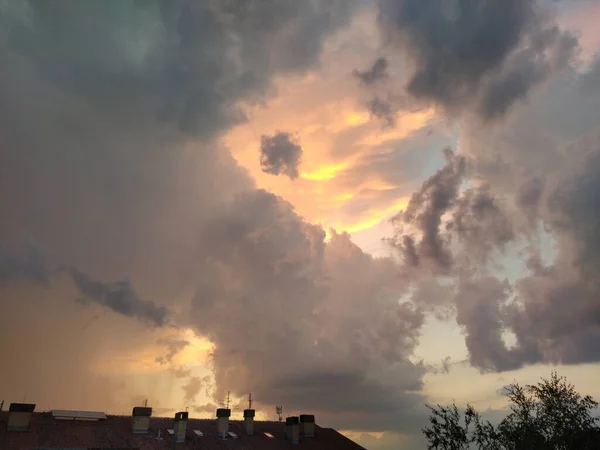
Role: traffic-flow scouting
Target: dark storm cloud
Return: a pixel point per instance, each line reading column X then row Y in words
column 377, row 72
column 280, row 154
column 109, row 116
column 483, row 52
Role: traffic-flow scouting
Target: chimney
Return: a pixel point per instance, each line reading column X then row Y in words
column 223, row 415
column 249, row 421
column 180, row 426
column 19, row 415
column 141, row 419
column 307, row 425
column 292, row 429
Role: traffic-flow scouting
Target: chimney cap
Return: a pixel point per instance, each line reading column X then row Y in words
column 21, row 407
column 142, row 411
column 307, row 418
column 223, row 412
column 182, row 415
column 249, row 413
column 292, row 420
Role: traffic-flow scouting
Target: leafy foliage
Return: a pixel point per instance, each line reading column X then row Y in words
column 550, row 415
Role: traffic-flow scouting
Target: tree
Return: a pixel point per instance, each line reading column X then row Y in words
column 550, row 415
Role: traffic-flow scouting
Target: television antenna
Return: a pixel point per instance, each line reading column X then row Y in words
column 279, row 411
column 250, row 401
column 228, row 399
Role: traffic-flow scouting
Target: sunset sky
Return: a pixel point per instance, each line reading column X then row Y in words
column 348, row 207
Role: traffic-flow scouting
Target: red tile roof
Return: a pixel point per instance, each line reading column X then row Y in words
column 116, row 433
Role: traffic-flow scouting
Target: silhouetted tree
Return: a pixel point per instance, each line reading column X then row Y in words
column 550, row 415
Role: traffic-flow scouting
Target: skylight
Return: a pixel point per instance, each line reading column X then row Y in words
column 198, row 433
column 233, row 435
column 170, row 431
column 269, row 435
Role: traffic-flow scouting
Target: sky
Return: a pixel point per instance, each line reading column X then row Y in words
column 350, row 208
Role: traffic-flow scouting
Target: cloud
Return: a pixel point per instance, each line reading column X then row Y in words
column 424, row 215
column 280, row 154
column 118, row 296
column 526, row 185
column 174, row 346
column 483, row 55
column 382, row 110
column 340, row 316
column 376, row 74
column 111, row 159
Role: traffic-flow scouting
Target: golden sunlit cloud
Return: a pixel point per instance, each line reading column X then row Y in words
column 144, row 360
column 324, row 172
column 370, row 219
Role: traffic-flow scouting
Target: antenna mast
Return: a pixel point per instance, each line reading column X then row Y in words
column 227, row 399
column 279, row 410
column 250, row 401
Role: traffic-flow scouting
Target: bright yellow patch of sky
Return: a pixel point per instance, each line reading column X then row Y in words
column 318, row 110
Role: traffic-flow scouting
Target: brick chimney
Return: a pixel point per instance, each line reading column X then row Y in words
column 249, row 421
column 307, row 425
column 292, row 429
column 19, row 415
column 180, row 426
column 141, row 419
column 223, row 415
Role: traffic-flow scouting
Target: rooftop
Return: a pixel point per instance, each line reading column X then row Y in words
column 48, row 433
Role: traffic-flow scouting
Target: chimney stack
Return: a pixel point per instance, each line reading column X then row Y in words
column 141, row 419
column 249, row 421
column 223, row 415
column 292, row 429
column 307, row 425
column 19, row 415
column 180, row 426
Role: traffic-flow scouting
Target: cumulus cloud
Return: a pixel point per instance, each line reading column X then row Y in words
column 539, row 169
column 280, row 154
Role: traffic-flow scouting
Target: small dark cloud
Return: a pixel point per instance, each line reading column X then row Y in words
column 280, row 154
column 120, row 297
column 377, row 72
column 117, row 296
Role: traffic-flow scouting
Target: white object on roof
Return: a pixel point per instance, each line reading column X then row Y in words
column 233, row 435
column 170, row 431
column 61, row 414
column 198, row 433
column 269, row 435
